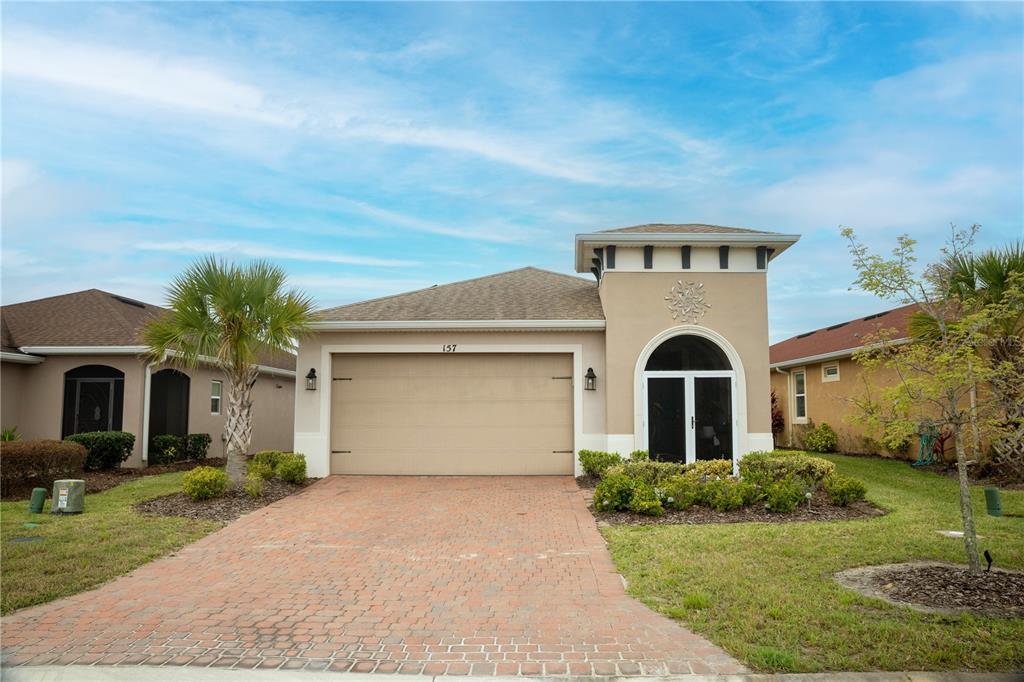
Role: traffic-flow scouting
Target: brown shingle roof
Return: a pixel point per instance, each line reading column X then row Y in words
column 685, row 228
column 842, row 336
column 88, row 318
column 524, row 294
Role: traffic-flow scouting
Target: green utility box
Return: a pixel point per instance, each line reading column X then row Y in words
column 35, row 505
column 993, row 503
column 68, row 497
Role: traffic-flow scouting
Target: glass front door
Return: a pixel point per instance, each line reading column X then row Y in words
column 689, row 416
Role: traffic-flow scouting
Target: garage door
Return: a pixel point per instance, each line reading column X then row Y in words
column 451, row 413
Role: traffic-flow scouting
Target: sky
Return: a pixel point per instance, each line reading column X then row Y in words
column 371, row 149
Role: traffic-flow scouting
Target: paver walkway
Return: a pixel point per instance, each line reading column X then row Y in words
column 463, row 575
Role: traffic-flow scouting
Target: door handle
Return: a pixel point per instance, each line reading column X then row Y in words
column 693, row 422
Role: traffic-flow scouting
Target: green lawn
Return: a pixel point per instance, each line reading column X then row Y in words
column 765, row 593
column 82, row 551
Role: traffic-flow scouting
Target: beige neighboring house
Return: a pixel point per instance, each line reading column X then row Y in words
column 814, row 377
column 74, row 363
column 664, row 348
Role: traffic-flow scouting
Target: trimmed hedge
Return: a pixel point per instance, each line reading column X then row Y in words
column 197, row 445
column 105, row 449
column 595, row 462
column 765, row 468
column 38, row 463
column 291, row 468
column 821, row 438
column 268, row 457
column 205, row 483
column 843, row 490
column 167, row 448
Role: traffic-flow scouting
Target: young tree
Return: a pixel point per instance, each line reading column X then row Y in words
column 937, row 371
column 231, row 315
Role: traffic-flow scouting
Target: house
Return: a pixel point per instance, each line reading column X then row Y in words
column 74, row 363
column 815, row 377
column 664, row 348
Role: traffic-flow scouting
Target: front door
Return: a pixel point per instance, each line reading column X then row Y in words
column 94, row 405
column 689, row 416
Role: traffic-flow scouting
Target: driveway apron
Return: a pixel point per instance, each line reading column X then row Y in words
column 441, row 575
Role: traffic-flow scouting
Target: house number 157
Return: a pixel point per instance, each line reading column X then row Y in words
column 448, row 348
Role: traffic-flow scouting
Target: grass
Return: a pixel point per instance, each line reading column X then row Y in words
column 765, row 593
column 82, row 551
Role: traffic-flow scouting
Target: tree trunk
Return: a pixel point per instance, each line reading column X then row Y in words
column 238, row 421
column 966, row 511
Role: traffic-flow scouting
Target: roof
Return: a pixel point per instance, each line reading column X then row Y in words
column 837, row 339
column 684, row 228
column 524, row 294
column 85, row 319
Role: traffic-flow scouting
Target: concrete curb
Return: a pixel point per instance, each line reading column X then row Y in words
column 81, row 673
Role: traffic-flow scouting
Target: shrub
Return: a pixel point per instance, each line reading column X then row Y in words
column 197, row 445
column 765, row 468
column 645, row 501
column 709, row 468
column 291, row 468
column 639, row 456
column 269, row 457
column 595, row 462
column 842, row 490
column 723, row 494
column 784, row 496
column 204, row 483
column 614, row 492
column 27, row 463
column 821, row 438
column 253, row 485
column 9, row 434
column 165, row 448
column 105, row 449
column 679, row 492
column 649, row 471
column 259, row 468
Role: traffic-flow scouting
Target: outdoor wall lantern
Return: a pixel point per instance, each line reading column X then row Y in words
column 591, row 380
column 311, row 380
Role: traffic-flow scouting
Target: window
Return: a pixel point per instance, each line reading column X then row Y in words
column 800, row 395
column 215, row 397
column 830, row 373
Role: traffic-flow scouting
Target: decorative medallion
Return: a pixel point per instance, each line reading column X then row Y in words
column 686, row 301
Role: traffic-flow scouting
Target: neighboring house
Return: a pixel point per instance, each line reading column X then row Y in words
column 814, row 378
column 514, row 373
column 74, row 363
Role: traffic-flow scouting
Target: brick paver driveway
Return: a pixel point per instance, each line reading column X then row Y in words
column 423, row 575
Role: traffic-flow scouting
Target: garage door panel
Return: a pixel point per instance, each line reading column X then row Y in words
column 452, row 414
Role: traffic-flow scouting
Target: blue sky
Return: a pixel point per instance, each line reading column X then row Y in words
column 376, row 148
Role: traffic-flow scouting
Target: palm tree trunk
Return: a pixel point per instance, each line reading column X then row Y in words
column 238, row 422
column 966, row 511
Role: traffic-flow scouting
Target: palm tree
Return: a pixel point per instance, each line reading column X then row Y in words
column 232, row 316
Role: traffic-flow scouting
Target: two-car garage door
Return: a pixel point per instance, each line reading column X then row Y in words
column 452, row 413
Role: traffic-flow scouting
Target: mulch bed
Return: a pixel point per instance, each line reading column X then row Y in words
column 821, row 509
column 98, row 481
column 940, row 588
column 226, row 508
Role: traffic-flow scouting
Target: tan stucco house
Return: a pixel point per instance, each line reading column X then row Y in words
column 74, row 363
column 815, row 377
column 663, row 348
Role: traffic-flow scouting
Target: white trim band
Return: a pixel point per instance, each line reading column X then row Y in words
column 123, row 350
column 371, row 325
column 20, row 358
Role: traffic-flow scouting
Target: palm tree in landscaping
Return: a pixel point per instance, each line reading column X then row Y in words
column 233, row 316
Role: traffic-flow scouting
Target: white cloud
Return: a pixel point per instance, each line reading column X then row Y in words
column 255, row 250
column 167, row 81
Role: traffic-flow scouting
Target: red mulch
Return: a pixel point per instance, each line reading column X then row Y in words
column 98, row 481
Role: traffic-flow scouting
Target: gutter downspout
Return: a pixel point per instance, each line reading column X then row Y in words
column 789, row 422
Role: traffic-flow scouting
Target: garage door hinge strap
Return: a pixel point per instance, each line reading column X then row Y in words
column 561, row 377
column 561, row 452
column 341, row 452
column 342, row 379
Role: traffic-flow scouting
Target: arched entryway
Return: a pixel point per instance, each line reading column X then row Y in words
column 168, row 405
column 93, row 400
column 689, row 400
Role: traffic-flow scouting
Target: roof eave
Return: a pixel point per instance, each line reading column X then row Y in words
column 486, row 325
column 123, row 350
column 822, row 357
column 780, row 242
column 20, row 358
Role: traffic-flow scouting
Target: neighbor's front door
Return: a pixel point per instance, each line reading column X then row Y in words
column 689, row 415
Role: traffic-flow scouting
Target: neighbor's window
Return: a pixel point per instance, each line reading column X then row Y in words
column 215, row 397
column 800, row 393
column 830, row 373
